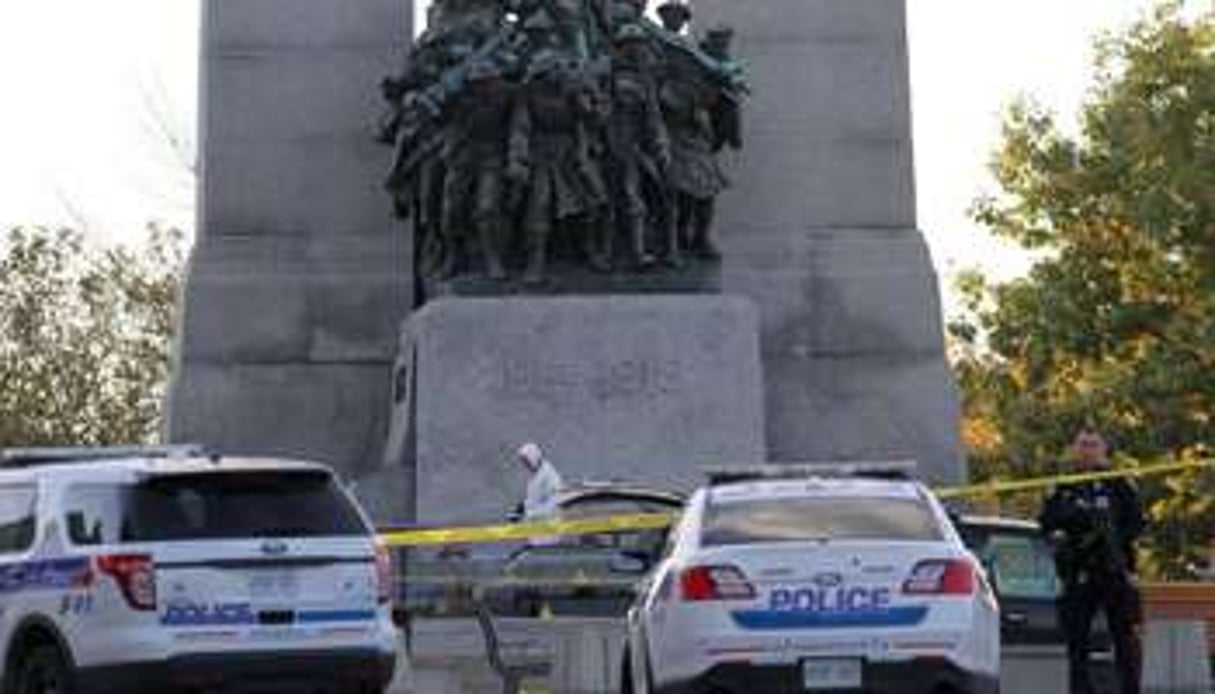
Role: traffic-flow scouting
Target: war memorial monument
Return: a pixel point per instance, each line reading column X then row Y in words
column 649, row 242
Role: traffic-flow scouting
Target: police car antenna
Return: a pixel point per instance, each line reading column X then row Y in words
column 894, row 470
column 36, row 456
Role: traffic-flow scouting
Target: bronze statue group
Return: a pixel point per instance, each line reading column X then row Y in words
column 577, row 130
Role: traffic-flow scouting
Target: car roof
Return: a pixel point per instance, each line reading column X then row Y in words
column 156, row 467
column 587, row 491
column 816, row 486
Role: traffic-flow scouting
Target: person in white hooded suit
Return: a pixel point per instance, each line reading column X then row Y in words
column 540, row 502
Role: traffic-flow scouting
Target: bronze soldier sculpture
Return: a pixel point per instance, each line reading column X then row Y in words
column 639, row 148
column 413, row 126
column 701, row 115
column 549, row 151
column 475, row 148
column 579, row 23
column 509, row 112
column 675, row 16
column 424, row 114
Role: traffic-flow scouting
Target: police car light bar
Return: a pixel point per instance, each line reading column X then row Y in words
column 32, row 457
column 886, row 470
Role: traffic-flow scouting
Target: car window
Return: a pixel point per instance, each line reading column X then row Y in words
column 1021, row 565
column 595, row 507
column 648, row 542
column 17, row 517
column 819, row 518
column 94, row 514
column 211, row 506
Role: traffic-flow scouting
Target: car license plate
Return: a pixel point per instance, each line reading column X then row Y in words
column 831, row 673
column 273, row 585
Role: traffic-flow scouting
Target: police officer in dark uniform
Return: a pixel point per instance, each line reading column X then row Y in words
column 1093, row 527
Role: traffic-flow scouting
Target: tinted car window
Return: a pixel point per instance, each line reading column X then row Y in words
column 17, row 520
column 1021, row 564
column 212, row 506
column 819, row 518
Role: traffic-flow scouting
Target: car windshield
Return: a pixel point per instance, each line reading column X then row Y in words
column 226, row 505
column 797, row 519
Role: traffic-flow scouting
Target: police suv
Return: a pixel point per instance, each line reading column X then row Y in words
column 775, row 581
column 161, row 570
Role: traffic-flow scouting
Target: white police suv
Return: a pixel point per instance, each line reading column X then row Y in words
column 163, row 571
column 809, row 584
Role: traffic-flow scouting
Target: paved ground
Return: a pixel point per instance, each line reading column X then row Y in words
column 449, row 658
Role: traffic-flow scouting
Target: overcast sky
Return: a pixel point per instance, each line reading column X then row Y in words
column 91, row 86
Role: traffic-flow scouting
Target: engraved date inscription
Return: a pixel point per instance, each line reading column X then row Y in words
column 624, row 379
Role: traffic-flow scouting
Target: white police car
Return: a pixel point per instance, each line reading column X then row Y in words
column 160, row 571
column 814, row 584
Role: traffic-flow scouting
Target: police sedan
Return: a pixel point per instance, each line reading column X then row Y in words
column 814, row 584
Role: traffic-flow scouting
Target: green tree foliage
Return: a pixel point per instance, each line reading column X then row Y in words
column 84, row 337
column 1115, row 323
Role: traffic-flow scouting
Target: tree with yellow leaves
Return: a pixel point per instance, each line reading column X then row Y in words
column 1115, row 323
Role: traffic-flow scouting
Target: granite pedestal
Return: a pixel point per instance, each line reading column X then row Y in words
column 642, row 388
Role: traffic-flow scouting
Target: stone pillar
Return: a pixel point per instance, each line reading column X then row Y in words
column 300, row 276
column 819, row 230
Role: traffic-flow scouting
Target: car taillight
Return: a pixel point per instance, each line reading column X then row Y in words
column 135, row 576
column 701, row 583
column 941, row 577
column 383, row 573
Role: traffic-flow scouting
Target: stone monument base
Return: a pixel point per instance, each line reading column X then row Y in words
column 695, row 276
column 648, row 389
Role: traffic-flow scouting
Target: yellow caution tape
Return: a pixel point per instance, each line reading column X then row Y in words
column 997, row 487
column 526, row 531
column 513, row 532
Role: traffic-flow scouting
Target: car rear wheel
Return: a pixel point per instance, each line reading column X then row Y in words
column 43, row 670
